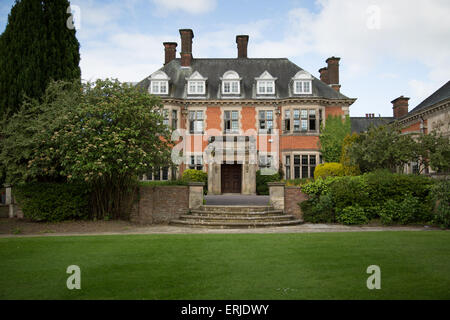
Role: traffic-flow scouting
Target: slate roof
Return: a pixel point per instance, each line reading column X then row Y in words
column 248, row 69
column 443, row 93
column 361, row 124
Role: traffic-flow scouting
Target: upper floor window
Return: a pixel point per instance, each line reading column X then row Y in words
column 265, row 161
column 231, row 83
column 166, row 117
column 174, row 119
column 159, row 83
column 196, row 84
column 170, row 118
column 266, row 120
column 196, row 121
column 302, row 120
column 265, row 84
column 231, row 121
column 302, row 83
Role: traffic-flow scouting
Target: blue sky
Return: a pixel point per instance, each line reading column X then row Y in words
column 387, row 48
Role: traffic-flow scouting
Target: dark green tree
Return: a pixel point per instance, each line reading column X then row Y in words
column 36, row 47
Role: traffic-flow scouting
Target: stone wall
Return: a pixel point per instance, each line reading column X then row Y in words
column 292, row 196
column 160, row 204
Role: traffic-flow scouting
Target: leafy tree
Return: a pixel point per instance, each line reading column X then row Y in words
column 105, row 134
column 332, row 136
column 35, row 48
column 383, row 147
column 433, row 150
column 349, row 169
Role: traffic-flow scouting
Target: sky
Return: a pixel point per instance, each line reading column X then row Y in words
column 388, row 48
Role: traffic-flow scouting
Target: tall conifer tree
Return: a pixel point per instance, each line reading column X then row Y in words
column 35, row 48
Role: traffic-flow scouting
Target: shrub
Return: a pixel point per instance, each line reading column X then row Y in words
column 318, row 209
column 318, row 187
column 192, row 175
column 329, row 169
column 405, row 211
column 262, row 180
column 349, row 191
column 297, row 182
column 53, row 201
column 163, row 183
column 352, row 215
column 441, row 195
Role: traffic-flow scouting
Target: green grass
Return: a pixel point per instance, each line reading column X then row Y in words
column 414, row 265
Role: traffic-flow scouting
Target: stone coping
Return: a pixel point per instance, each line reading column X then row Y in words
column 196, row 184
column 276, row 184
column 293, row 187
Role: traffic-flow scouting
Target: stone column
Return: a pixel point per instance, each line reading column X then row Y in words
column 8, row 197
column 214, row 180
column 276, row 192
column 195, row 194
column 249, row 179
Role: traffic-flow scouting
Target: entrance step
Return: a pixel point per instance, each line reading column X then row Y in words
column 208, row 216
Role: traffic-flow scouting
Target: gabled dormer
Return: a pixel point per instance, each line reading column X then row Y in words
column 159, row 83
column 265, row 84
column 302, row 83
column 196, row 84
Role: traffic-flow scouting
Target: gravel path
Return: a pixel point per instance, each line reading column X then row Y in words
column 17, row 228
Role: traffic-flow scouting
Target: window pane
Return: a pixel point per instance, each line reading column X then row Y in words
column 155, row 87
column 192, row 87
column 234, row 115
column 296, row 114
column 305, row 172
column 226, row 87
column 296, row 125
column 199, row 115
column 304, row 114
column 235, row 126
column 296, row 159
column 165, row 173
column 269, row 124
column 288, row 172
column 306, row 87
column 157, row 174
column 227, row 115
column 287, row 114
column 262, row 115
column 200, row 87
column 298, row 87
column 305, row 160
column 191, row 115
column 304, row 125
column 269, row 115
column 163, row 87
column 235, row 87
column 296, row 172
column 288, row 160
column 270, row 87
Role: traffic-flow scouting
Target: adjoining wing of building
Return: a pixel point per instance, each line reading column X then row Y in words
column 258, row 113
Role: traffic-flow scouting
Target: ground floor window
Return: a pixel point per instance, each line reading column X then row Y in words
column 156, row 174
column 196, row 162
column 303, row 166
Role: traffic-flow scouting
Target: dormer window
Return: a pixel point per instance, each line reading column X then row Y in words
column 231, row 83
column 159, row 83
column 196, row 84
column 302, row 83
column 265, row 84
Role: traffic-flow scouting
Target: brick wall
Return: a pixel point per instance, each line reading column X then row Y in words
column 292, row 196
column 158, row 205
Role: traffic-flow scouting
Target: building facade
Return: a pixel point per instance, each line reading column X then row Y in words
column 432, row 114
column 236, row 116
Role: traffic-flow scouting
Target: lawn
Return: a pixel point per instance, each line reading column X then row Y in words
column 414, row 265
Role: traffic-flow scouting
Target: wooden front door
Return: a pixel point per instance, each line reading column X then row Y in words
column 231, row 176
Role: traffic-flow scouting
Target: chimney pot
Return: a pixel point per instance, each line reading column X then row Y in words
column 400, row 107
column 170, row 50
column 242, row 43
column 186, row 47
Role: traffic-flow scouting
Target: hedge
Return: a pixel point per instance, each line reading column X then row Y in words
column 393, row 198
column 262, row 179
column 193, row 175
column 53, row 201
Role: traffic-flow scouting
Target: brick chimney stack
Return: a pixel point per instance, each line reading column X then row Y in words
column 324, row 75
column 333, row 73
column 400, row 107
column 170, row 50
column 186, row 47
column 242, row 43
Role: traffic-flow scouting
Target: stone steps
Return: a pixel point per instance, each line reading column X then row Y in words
column 208, row 216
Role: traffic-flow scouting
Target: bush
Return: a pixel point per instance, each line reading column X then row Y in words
column 262, row 180
column 317, row 187
column 441, row 196
column 53, row 201
column 192, row 175
column 318, row 210
column 333, row 169
column 349, row 191
column 402, row 212
column 352, row 215
column 297, row 182
column 163, row 183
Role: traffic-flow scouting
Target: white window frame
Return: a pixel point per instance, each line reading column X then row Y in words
column 265, row 84
column 197, row 85
column 232, row 80
column 302, row 83
column 159, row 80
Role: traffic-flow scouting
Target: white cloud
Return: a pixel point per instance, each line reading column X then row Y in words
column 189, row 6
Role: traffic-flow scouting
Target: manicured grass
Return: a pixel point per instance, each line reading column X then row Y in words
column 414, row 265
